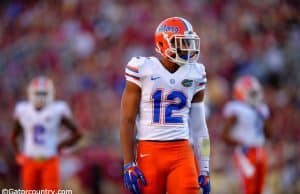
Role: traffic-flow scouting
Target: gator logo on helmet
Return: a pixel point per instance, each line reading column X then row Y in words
column 173, row 29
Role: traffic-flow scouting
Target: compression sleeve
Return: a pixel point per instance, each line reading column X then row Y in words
column 200, row 136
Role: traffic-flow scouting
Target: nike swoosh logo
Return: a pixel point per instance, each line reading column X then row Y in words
column 154, row 78
column 144, row 155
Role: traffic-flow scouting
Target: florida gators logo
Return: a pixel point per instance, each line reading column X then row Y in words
column 187, row 82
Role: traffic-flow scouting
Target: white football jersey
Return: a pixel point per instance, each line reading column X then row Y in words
column 166, row 97
column 250, row 122
column 41, row 127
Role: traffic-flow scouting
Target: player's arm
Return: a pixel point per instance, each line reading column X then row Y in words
column 129, row 110
column 200, row 135
column 228, row 125
column 267, row 129
column 74, row 136
column 16, row 132
column 200, row 138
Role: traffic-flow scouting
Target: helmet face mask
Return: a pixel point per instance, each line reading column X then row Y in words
column 41, row 92
column 254, row 96
column 186, row 49
column 176, row 40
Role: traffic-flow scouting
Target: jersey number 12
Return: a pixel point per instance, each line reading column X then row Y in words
column 176, row 101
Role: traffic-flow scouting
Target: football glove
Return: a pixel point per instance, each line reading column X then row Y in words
column 204, row 182
column 132, row 176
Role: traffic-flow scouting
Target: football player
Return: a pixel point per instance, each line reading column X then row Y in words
column 39, row 120
column 163, row 98
column 246, row 128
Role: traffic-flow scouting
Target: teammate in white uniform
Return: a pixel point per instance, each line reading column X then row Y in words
column 164, row 98
column 39, row 120
column 41, row 127
column 246, row 129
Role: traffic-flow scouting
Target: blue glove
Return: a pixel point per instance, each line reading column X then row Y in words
column 131, row 176
column 204, row 183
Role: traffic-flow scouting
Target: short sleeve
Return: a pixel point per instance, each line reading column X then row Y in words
column 265, row 111
column 230, row 110
column 133, row 71
column 201, row 79
column 64, row 109
column 17, row 111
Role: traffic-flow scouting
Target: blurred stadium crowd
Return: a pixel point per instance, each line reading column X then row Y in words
column 84, row 45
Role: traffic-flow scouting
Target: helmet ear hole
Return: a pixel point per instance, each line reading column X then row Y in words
column 160, row 44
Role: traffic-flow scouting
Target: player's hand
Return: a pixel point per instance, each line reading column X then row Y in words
column 204, row 182
column 132, row 176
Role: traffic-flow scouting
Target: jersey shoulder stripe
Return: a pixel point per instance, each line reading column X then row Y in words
column 133, row 69
column 137, row 68
column 132, row 76
column 134, row 66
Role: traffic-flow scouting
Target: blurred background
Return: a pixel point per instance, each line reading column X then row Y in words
column 83, row 45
